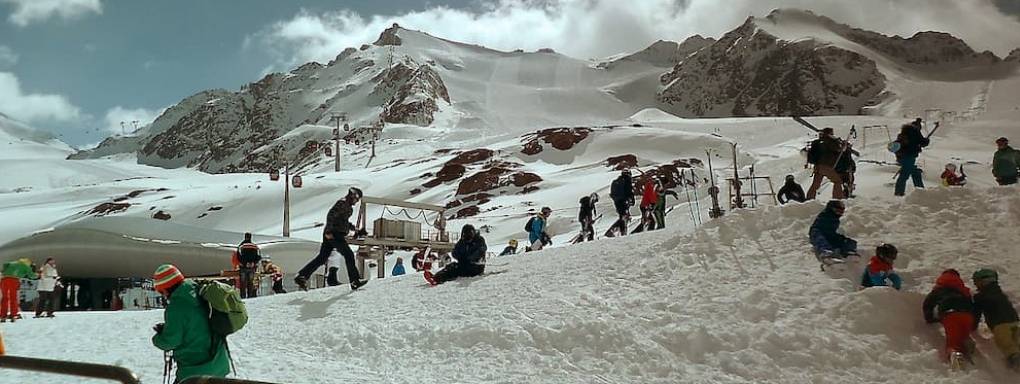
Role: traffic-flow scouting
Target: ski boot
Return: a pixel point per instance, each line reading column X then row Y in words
column 358, row 284
column 956, row 361
column 302, row 282
column 3, row 319
column 430, row 277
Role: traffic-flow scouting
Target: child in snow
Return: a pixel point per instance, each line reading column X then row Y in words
column 1000, row 316
column 949, row 303
column 880, row 268
column 791, row 191
column 399, row 268
column 511, row 248
column 951, row 178
column 826, row 241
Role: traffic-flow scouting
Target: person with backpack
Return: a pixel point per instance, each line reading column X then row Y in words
column 1000, row 316
column 536, row 227
column 659, row 208
column 186, row 330
column 1005, row 162
column 48, row 288
column 334, row 236
column 13, row 272
column 951, row 178
column 275, row 273
column 470, row 255
column 846, row 167
column 791, row 191
column 511, row 248
column 622, row 192
column 879, row 272
column 824, row 153
column 586, row 217
column 248, row 257
column 949, row 303
column 829, row 245
column 907, row 148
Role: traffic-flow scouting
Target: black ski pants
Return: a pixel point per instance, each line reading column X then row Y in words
column 454, row 270
column 339, row 243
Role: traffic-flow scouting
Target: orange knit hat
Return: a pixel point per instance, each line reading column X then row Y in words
column 167, row 276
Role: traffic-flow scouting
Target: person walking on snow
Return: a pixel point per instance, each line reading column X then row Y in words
column 829, row 245
column 649, row 198
column 586, row 217
column 1005, row 162
column 908, row 148
column 13, row 272
column 47, row 288
column 248, row 258
column 791, row 191
column 185, row 329
column 470, row 255
column 880, row 268
column 829, row 148
column 951, row 178
column 334, row 236
column 537, row 235
column 1000, row 316
column 949, row 303
column 659, row 209
column 622, row 193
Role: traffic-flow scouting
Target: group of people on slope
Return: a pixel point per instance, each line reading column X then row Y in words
column 949, row 303
column 249, row 262
column 652, row 206
column 48, row 287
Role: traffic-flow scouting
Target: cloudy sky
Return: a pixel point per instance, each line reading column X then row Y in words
column 79, row 68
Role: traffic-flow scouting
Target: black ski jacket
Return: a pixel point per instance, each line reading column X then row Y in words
column 338, row 219
column 791, row 191
column 622, row 190
column 991, row 302
column 945, row 300
column 470, row 251
column 587, row 210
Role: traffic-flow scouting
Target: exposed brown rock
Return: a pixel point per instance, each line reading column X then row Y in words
column 161, row 215
column 560, row 138
column 449, row 172
column 107, row 208
column 621, row 162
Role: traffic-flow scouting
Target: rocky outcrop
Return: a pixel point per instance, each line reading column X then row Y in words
column 416, row 100
column 560, row 138
column 664, row 53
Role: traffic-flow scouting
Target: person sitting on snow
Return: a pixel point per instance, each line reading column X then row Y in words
column 791, row 191
column 1000, row 316
column 398, row 269
column 949, row 303
column 829, row 245
column 511, row 248
column 951, row 178
column 880, row 268
column 470, row 254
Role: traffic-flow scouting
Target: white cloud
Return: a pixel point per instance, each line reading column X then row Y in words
column 29, row 11
column 7, row 57
column 33, row 107
column 599, row 28
column 130, row 117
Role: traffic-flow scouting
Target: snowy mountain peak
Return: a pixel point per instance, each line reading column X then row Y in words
column 389, row 36
column 664, row 53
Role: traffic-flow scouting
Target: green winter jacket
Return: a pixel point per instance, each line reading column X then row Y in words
column 19, row 268
column 186, row 332
column 1005, row 162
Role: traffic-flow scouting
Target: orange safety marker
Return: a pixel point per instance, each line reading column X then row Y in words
column 3, row 351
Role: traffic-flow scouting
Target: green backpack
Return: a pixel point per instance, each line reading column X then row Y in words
column 227, row 313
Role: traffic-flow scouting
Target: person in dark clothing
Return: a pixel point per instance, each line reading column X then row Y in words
column 910, row 141
column 826, row 241
column 830, row 147
column 791, row 191
column 1000, row 316
column 334, row 236
column 622, row 193
column 949, row 303
column 586, row 217
column 846, row 167
column 511, row 248
column 470, row 254
column 659, row 208
column 248, row 258
column 1005, row 162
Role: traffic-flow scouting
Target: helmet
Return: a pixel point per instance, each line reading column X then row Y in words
column 1002, row 140
column 790, row 178
column 594, row 197
column 512, row 243
column 986, row 274
column 355, row 191
column 951, row 167
column 887, row 251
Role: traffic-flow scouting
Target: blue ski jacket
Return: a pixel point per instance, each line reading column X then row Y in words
column 824, row 237
column 537, row 228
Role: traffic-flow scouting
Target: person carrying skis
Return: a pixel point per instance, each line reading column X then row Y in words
column 847, row 168
column 659, row 210
column 880, row 268
column 951, row 178
column 470, row 254
column 186, row 330
column 622, row 193
column 909, row 143
column 1005, row 162
column 829, row 245
column 334, row 236
column 949, row 303
column 791, row 191
column 511, row 248
column 586, row 217
column 248, row 258
column 536, row 233
column 13, row 272
column 649, row 198
column 1000, row 316
column 829, row 150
